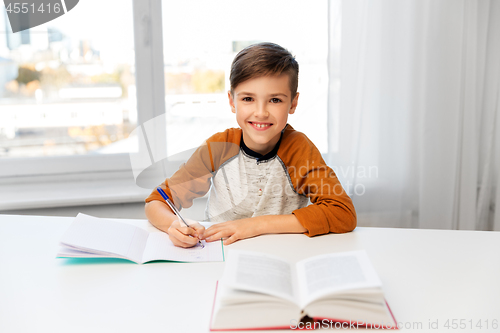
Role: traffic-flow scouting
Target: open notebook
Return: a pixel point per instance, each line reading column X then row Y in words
column 92, row 237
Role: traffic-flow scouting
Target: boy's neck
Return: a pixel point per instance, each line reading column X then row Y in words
column 260, row 157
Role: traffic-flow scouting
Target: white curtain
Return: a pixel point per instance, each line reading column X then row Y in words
column 418, row 116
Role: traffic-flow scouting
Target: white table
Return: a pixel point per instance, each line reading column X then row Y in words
column 428, row 276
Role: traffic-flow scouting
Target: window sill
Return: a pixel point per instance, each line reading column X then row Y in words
column 69, row 193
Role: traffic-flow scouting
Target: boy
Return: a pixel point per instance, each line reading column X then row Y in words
column 261, row 175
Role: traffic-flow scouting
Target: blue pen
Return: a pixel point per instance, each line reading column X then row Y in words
column 175, row 210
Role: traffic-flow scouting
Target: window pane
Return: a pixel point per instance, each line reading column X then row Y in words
column 68, row 86
column 200, row 40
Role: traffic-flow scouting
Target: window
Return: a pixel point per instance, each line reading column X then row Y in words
column 67, row 91
column 76, row 90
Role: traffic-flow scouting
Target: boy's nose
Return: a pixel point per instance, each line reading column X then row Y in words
column 261, row 111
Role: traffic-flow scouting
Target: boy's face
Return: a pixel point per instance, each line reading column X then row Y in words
column 262, row 106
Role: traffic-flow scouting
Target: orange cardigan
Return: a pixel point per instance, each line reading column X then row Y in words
column 306, row 172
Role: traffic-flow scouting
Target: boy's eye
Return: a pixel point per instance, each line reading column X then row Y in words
column 247, row 99
column 275, row 100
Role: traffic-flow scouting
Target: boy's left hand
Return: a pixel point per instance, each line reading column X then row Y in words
column 232, row 231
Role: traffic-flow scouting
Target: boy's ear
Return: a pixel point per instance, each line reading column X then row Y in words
column 231, row 101
column 295, row 101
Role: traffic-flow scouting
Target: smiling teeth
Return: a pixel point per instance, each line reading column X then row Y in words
column 261, row 125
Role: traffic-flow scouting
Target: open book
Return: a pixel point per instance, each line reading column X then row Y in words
column 338, row 290
column 92, row 237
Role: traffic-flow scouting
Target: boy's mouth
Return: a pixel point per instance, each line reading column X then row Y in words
column 260, row 126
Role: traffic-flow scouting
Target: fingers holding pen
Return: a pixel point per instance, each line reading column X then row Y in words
column 180, row 239
column 184, row 236
column 198, row 228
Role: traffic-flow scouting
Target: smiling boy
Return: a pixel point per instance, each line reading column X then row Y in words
column 262, row 175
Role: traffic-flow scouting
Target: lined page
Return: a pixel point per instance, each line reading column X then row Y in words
column 160, row 247
column 100, row 235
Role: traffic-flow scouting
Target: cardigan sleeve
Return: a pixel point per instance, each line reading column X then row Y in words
column 332, row 209
column 193, row 179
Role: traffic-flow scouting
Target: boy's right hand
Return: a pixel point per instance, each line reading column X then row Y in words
column 183, row 236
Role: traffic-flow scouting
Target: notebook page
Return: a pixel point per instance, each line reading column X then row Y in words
column 100, row 235
column 160, row 247
column 66, row 252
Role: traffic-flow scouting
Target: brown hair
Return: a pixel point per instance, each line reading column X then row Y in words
column 264, row 59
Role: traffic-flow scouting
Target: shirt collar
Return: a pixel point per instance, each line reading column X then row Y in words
column 258, row 156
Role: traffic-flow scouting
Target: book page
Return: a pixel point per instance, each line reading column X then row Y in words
column 335, row 272
column 160, row 247
column 92, row 234
column 258, row 272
